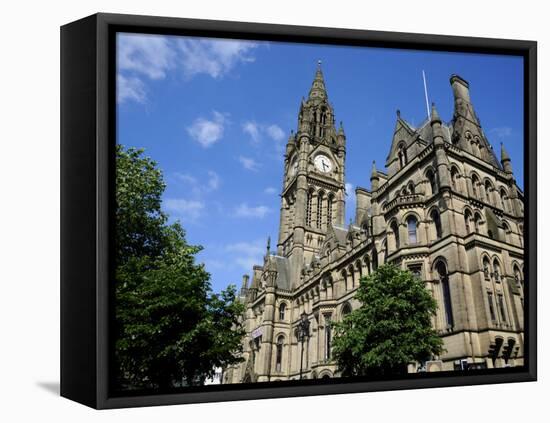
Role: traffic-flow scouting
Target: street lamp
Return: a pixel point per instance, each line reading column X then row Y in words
column 303, row 333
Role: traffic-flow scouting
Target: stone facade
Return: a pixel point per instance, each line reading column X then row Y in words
column 446, row 208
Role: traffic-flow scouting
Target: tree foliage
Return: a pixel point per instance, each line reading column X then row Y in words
column 391, row 329
column 170, row 326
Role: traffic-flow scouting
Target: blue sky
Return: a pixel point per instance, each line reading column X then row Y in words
column 216, row 115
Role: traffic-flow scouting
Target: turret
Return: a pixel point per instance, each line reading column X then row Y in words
column 374, row 178
column 341, row 136
column 441, row 159
column 505, row 159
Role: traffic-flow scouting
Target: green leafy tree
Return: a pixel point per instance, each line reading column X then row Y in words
column 391, row 329
column 170, row 326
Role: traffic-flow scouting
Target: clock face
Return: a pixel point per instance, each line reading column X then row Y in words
column 323, row 163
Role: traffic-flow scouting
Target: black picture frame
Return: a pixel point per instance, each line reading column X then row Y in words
column 87, row 162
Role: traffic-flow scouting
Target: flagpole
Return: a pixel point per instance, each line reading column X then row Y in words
column 426, row 94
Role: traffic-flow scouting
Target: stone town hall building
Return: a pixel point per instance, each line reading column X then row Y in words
column 446, row 209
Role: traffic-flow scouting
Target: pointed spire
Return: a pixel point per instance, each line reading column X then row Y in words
column 505, row 159
column 434, row 115
column 318, row 90
column 374, row 172
column 341, row 129
column 268, row 246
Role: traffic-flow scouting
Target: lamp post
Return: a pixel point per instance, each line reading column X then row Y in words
column 303, row 333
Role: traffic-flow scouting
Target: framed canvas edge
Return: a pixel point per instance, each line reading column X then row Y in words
column 108, row 22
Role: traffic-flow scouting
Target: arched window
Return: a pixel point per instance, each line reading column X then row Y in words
column 374, row 259
column 496, row 271
column 506, row 230
column 410, row 188
column 345, row 278
column 477, row 223
column 411, row 229
column 329, row 209
column 432, row 180
column 346, row 309
column 395, row 230
column 486, row 269
column 320, row 198
column 279, row 353
column 454, row 179
column 282, row 309
column 475, row 186
column 437, row 224
column 502, row 307
column 503, row 200
column 467, row 219
column 351, row 271
column 446, row 291
column 367, row 265
column 308, row 207
column 488, row 191
column 402, row 154
column 517, row 276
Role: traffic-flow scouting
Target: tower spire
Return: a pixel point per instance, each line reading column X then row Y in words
column 505, row 159
column 318, row 89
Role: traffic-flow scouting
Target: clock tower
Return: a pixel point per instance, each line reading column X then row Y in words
column 313, row 195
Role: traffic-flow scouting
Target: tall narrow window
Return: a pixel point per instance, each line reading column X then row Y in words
column 374, row 259
column 395, row 230
column 503, row 198
column 411, row 229
column 444, row 278
column 282, row 310
column 475, row 186
column 488, row 192
column 431, row 179
column 491, row 306
column 477, row 223
column 454, row 179
column 437, row 223
column 517, row 276
column 496, row 271
column 501, row 307
column 328, row 336
column 319, row 210
column 467, row 219
column 279, row 353
column 308, row 208
column 329, row 209
column 402, row 154
column 486, row 269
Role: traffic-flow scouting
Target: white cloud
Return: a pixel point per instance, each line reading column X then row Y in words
column 501, row 132
column 130, row 88
column 247, row 254
column 149, row 55
column 350, row 191
column 244, row 210
column 275, row 132
column 187, row 210
column 142, row 56
column 249, row 163
column 213, row 57
column 213, row 180
column 197, row 186
column 253, row 129
column 208, row 132
column 270, row 190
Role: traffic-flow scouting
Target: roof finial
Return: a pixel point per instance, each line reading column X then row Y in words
column 319, row 64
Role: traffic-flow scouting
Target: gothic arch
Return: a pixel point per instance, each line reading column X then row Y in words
column 476, row 185
column 325, row 374
column 431, row 176
column 455, row 178
column 345, row 310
